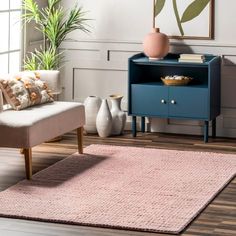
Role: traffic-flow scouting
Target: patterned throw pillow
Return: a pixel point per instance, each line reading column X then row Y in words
column 25, row 89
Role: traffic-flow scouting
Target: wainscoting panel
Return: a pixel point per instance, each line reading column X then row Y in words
column 228, row 94
column 120, row 55
column 99, row 67
column 99, row 82
column 86, row 54
column 229, row 122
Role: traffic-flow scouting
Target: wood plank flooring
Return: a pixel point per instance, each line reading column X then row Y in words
column 218, row 219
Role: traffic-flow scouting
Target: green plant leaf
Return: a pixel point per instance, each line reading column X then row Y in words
column 31, row 11
column 194, row 10
column 55, row 23
column 53, row 3
column 175, row 7
column 49, row 59
column 159, row 6
column 30, row 62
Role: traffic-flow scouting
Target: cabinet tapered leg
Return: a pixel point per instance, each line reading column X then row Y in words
column 134, row 126
column 143, row 124
column 206, row 128
column 80, row 139
column 28, row 162
column 213, row 128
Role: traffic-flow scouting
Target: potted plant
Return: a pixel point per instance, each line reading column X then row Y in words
column 55, row 23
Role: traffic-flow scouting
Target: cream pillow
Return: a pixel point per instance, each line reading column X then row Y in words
column 25, row 89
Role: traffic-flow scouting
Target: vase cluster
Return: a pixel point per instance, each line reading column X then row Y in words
column 103, row 120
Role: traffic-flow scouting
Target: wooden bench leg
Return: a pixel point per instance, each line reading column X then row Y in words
column 80, row 139
column 28, row 162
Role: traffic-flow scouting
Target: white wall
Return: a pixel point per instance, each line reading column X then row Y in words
column 97, row 62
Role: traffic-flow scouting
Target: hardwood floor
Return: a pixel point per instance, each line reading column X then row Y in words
column 218, row 219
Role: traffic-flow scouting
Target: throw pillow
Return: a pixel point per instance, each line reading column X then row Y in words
column 25, row 89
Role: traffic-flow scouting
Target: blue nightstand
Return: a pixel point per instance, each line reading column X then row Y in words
column 149, row 97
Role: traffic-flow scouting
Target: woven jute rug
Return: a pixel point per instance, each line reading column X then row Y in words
column 122, row 187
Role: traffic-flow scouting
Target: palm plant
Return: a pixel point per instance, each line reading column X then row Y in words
column 55, row 24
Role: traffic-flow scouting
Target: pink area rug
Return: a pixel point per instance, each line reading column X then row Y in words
column 122, row 187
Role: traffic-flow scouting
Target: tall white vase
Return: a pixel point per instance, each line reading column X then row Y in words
column 92, row 105
column 118, row 116
column 104, row 120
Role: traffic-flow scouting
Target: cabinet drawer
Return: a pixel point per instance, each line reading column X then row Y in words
column 188, row 102
column 149, row 100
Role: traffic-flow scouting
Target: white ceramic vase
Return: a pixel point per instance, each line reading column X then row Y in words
column 104, row 120
column 118, row 116
column 92, row 105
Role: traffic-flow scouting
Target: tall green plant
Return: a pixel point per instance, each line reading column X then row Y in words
column 55, row 24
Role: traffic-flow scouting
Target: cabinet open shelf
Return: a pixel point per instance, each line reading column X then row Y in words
column 160, row 83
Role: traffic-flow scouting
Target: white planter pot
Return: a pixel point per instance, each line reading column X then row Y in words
column 104, row 120
column 92, row 105
column 52, row 78
column 118, row 116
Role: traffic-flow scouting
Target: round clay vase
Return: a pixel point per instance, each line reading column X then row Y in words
column 118, row 116
column 92, row 105
column 156, row 45
column 104, row 120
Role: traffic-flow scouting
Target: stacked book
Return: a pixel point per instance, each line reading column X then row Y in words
column 198, row 58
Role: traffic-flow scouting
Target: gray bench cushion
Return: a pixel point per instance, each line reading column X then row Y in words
column 32, row 126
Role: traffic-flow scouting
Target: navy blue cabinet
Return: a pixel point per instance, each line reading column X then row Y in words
column 149, row 97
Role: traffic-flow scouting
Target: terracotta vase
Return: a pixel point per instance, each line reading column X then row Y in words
column 118, row 116
column 156, row 45
column 92, row 105
column 104, row 120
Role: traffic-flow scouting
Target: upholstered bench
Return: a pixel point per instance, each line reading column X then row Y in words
column 26, row 127
column 32, row 126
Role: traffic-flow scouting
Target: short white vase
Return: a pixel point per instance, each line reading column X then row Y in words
column 92, row 105
column 118, row 116
column 104, row 120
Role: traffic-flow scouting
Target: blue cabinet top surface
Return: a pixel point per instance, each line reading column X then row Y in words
column 171, row 59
